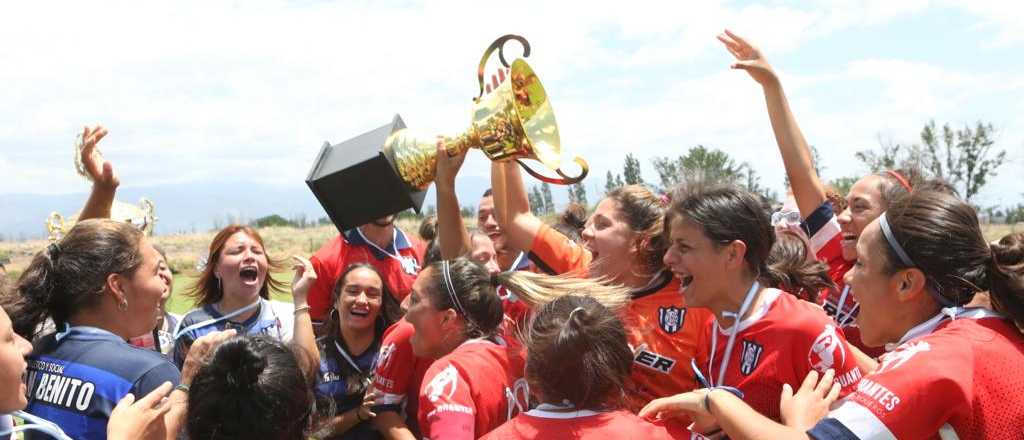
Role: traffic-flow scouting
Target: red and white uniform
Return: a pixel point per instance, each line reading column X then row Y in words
column 779, row 343
column 472, row 390
column 826, row 241
column 663, row 332
column 398, row 265
column 399, row 373
column 543, row 423
column 950, row 379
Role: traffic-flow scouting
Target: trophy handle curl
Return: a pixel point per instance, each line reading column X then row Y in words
column 565, row 180
column 55, row 226
column 498, row 45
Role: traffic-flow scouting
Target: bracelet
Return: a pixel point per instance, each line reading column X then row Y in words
column 181, row 387
column 707, row 401
column 302, row 308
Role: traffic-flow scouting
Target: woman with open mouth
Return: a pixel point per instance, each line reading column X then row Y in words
column 622, row 244
column 233, row 292
column 953, row 371
column 833, row 234
column 344, row 357
column 761, row 338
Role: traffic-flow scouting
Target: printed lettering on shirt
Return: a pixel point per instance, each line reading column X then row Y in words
column 448, row 377
column 671, row 318
column 827, row 350
column 750, row 357
column 517, row 398
column 654, row 360
column 883, row 396
column 901, row 355
column 46, row 383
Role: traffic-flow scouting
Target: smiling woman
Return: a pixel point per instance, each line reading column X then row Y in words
column 233, row 291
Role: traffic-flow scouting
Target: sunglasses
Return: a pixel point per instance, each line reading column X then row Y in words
column 783, row 218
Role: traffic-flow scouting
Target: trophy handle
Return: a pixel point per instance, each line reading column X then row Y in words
column 498, row 45
column 565, row 180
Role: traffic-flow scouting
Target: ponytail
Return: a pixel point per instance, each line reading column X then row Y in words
column 577, row 352
column 536, row 290
column 71, row 274
column 1006, row 277
column 790, row 269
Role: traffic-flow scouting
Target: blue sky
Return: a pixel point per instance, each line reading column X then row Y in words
column 202, row 90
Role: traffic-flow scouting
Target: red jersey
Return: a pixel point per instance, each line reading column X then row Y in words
column 958, row 378
column 472, row 390
column 398, row 373
column 398, row 265
column 780, row 342
column 663, row 332
column 826, row 242
column 540, row 423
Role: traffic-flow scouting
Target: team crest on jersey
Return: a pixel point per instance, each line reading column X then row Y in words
column 827, row 351
column 671, row 318
column 750, row 356
column 447, row 379
column 384, row 355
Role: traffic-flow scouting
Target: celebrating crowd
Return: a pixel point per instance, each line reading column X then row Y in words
column 693, row 314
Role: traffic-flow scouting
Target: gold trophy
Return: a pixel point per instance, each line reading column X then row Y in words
column 513, row 122
column 142, row 216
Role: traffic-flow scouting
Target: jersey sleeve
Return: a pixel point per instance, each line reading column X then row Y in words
column 396, row 364
column 911, row 395
column 325, row 264
column 156, row 376
column 558, row 253
column 819, row 345
column 446, row 407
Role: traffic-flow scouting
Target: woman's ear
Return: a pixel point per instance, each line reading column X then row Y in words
column 115, row 284
column 737, row 253
column 910, row 284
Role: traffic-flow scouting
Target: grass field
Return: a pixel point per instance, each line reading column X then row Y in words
column 184, row 250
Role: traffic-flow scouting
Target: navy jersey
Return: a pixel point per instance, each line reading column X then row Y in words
column 75, row 380
column 274, row 319
column 346, row 393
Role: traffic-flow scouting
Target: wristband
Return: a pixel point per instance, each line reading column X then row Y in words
column 302, row 308
column 181, row 387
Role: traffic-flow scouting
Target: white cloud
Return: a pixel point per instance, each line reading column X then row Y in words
column 195, row 89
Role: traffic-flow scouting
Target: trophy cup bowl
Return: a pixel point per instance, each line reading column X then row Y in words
column 142, row 216
column 513, row 122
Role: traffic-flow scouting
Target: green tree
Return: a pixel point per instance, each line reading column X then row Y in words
column 631, row 171
column 609, row 183
column 271, row 220
column 578, row 194
column 964, row 158
column 700, row 165
column 549, row 204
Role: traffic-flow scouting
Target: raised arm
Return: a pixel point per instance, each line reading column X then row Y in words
column 451, row 230
column 101, row 172
column 796, row 155
column 303, row 336
column 512, row 206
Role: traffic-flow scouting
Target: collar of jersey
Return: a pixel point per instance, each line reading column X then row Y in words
column 87, row 333
column 548, row 411
column 770, row 295
column 256, row 316
column 400, row 243
column 929, row 326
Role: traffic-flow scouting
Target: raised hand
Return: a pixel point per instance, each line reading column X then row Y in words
column 447, row 166
column 100, row 171
column 142, row 419
column 304, row 278
column 811, row 402
column 749, row 58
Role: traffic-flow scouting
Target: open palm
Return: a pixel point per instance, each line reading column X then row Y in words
column 748, row 58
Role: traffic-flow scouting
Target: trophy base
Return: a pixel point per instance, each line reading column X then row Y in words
column 356, row 183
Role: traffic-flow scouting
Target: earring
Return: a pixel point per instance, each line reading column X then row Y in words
column 123, row 306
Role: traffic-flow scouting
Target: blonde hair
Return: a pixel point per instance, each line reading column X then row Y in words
column 537, row 290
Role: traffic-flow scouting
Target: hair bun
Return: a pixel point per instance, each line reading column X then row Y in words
column 1009, row 251
column 239, row 364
